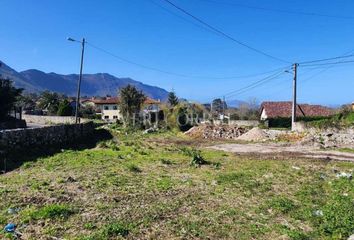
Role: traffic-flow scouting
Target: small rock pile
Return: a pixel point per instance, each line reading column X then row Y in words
column 255, row 134
column 216, row 132
column 330, row 138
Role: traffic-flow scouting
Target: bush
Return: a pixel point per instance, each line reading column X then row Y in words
column 279, row 122
column 65, row 108
column 197, row 158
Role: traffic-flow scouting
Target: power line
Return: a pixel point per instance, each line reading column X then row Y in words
column 281, row 10
column 134, row 63
column 250, row 85
column 327, row 59
column 325, row 64
column 177, row 74
column 254, row 85
column 219, row 32
column 184, row 19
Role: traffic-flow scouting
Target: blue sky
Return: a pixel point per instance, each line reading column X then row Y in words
column 33, row 35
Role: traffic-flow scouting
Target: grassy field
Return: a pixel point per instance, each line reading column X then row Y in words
column 158, row 186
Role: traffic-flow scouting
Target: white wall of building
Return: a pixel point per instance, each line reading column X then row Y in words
column 264, row 115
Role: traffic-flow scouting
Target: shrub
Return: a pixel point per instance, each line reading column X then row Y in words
column 197, row 158
column 64, row 108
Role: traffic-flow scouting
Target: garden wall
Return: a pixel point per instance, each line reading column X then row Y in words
column 20, row 139
column 50, row 120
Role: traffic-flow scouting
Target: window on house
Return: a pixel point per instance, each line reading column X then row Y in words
column 106, row 117
column 115, row 117
column 105, row 107
column 115, row 107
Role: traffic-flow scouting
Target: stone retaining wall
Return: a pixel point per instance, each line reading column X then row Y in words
column 45, row 136
column 50, row 120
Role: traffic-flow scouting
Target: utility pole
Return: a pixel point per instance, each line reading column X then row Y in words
column 293, row 115
column 223, row 106
column 77, row 120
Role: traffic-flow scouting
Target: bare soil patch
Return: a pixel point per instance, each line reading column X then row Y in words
column 307, row 151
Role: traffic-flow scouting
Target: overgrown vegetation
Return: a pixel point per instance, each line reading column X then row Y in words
column 131, row 101
column 142, row 186
column 344, row 118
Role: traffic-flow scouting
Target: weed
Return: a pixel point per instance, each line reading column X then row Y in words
column 165, row 183
column 281, row 204
column 294, row 234
column 133, row 168
column 110, row 144
column 197, row 158
column 49, row 212
column 117, row 229
column 89, row 226
column 232, row 178
column 217, row 165
column 166, row 161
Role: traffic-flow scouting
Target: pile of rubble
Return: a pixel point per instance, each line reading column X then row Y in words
column 216, row 132
column 255, row 134
column 331, row 138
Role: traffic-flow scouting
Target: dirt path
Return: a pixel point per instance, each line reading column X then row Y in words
column 279, row 149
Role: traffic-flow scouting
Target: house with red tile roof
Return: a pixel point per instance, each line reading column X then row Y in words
column 273, row 110
column 108, row 107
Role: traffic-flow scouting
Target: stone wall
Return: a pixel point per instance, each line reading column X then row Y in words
column 45, row 136
column 12, row 123
column 50, row 120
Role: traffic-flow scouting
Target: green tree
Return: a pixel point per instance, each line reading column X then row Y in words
column 64, row 108
column 49, row 101
column 218, row 105
column 27, row 101
column 8, row 97
column 172, row 99
column 131, row 101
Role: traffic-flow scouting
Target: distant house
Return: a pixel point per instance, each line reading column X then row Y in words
column 108, row 107
column 273, row 110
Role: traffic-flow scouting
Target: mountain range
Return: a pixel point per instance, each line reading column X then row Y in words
column 99, row 84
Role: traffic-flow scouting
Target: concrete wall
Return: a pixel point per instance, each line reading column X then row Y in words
column 44, row 136
column 50, row 120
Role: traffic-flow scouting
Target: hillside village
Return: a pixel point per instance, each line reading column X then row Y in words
column 93, row 155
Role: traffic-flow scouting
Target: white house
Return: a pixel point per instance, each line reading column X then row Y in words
column 108, row 107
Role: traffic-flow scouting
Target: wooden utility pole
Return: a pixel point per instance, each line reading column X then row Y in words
column 293, row 115
column 77, row 120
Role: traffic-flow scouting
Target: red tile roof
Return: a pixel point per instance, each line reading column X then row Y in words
column 284, row 109
column 108, row 100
